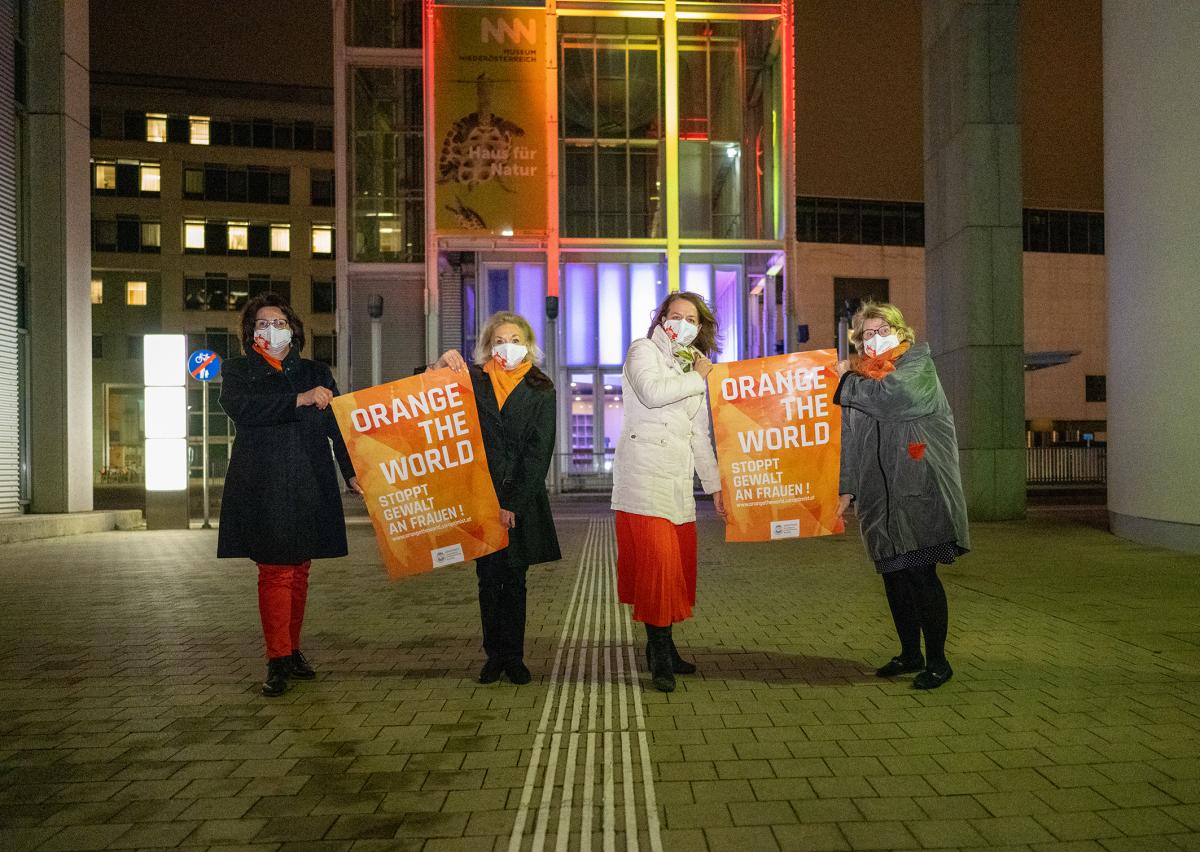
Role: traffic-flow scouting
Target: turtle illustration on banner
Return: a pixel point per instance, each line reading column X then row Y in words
column 467, row 219
column 478, row 146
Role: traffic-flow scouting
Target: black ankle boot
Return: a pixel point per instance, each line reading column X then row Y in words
column 658, row 651
column 300, row 667
column 276, row 683
column 678, row 664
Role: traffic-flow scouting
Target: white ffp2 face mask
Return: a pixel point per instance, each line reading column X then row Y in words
column 274, row 340
column 681, row 331
column 879, row 344
column 510, row 355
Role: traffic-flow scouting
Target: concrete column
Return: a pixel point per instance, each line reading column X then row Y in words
column 1152, row 218
column 60, row 253
column 973, row 283
column 11, row 399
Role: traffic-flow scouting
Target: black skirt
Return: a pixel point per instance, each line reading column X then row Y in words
column 943, row 553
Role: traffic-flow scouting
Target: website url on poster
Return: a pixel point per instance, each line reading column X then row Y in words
column 428, row 530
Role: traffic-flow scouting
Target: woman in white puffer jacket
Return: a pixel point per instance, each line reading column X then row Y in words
column 665, row 437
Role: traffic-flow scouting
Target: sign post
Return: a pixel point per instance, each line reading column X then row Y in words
column 204, row 365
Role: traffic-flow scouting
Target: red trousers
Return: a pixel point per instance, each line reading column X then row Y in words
column 656, row 568
column 282, row 593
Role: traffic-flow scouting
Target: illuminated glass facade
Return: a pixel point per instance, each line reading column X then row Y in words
column 668, row 132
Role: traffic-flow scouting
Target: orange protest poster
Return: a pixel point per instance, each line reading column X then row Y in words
column 418, row 452
column 778, row 438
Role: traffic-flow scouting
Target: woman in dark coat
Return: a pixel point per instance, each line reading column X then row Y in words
column 517, row 415
column 900, row 469
column 282, row 505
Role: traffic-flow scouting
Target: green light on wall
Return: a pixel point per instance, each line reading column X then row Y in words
column 777, row 233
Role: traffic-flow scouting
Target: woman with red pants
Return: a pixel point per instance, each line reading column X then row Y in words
column 282, row 506
column 665, row 438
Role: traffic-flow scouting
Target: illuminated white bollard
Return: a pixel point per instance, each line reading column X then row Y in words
column 165, row 376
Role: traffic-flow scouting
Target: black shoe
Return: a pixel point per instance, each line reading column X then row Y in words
column 276, row 683
column 300, row 669
column 517, row 672
column 933, row 677
column 491, row 671
column 658, row 651
column 900, row 665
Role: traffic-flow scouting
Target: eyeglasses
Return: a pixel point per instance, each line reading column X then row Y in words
column 883, row 330
column 263, row 325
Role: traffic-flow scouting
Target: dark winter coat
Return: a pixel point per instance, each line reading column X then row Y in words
column 282, row 502
column 900, row 458
column 519, row 443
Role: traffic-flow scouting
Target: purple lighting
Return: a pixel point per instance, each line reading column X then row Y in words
column 646, row 290
column 611, row 326
column 697, row 278
column 728, row 307
column 531, row 297
column 580, row 298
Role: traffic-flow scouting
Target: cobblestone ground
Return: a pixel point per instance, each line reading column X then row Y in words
column 130, row 713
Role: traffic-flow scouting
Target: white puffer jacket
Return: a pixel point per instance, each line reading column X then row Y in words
column 664, row 437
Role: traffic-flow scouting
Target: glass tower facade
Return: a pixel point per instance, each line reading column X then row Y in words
column 667, row 151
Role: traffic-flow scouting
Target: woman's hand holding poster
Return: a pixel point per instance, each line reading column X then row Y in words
column 418, row 453
column 778, row 437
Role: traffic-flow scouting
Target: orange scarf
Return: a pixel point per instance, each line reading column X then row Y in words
column 504, row 382
column 878, row 366
column 274, row 362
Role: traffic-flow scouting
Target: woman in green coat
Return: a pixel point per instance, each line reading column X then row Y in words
column 900, row 470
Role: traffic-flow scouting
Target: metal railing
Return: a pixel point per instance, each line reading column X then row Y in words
column 1064, row 465
column 581, row 471
column 1056, row 465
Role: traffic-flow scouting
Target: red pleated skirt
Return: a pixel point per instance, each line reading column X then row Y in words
column 656, row 568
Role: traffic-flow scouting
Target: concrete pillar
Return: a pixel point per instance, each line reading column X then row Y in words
column 10, row 388
column 1152, row 218
column 60, row 310
column 973, row 283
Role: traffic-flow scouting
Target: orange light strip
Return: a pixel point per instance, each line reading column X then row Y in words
column 432, row 307
column 671, row 95
column 552, row 213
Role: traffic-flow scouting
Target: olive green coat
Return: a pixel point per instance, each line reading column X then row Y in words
column 900, row 458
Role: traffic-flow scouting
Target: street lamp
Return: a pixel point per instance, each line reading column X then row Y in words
column 375, row 311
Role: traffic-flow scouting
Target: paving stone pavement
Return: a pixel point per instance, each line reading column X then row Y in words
column 130, row 715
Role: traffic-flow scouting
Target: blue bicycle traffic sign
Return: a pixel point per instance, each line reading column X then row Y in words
column 204, row 364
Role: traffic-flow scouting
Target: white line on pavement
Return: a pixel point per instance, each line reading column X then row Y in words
column 593, row 679
column 514, row 843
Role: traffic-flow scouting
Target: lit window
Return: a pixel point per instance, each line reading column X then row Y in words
column 391, row 239
column 198, row 126
column 150, row 177
column 97, row 291
column 106, row 176
column 135, row 293
column 281, row 238
column 156, row 127
column 151, row 235
column 322, row 239
column 239, row 236
column 193, row 235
